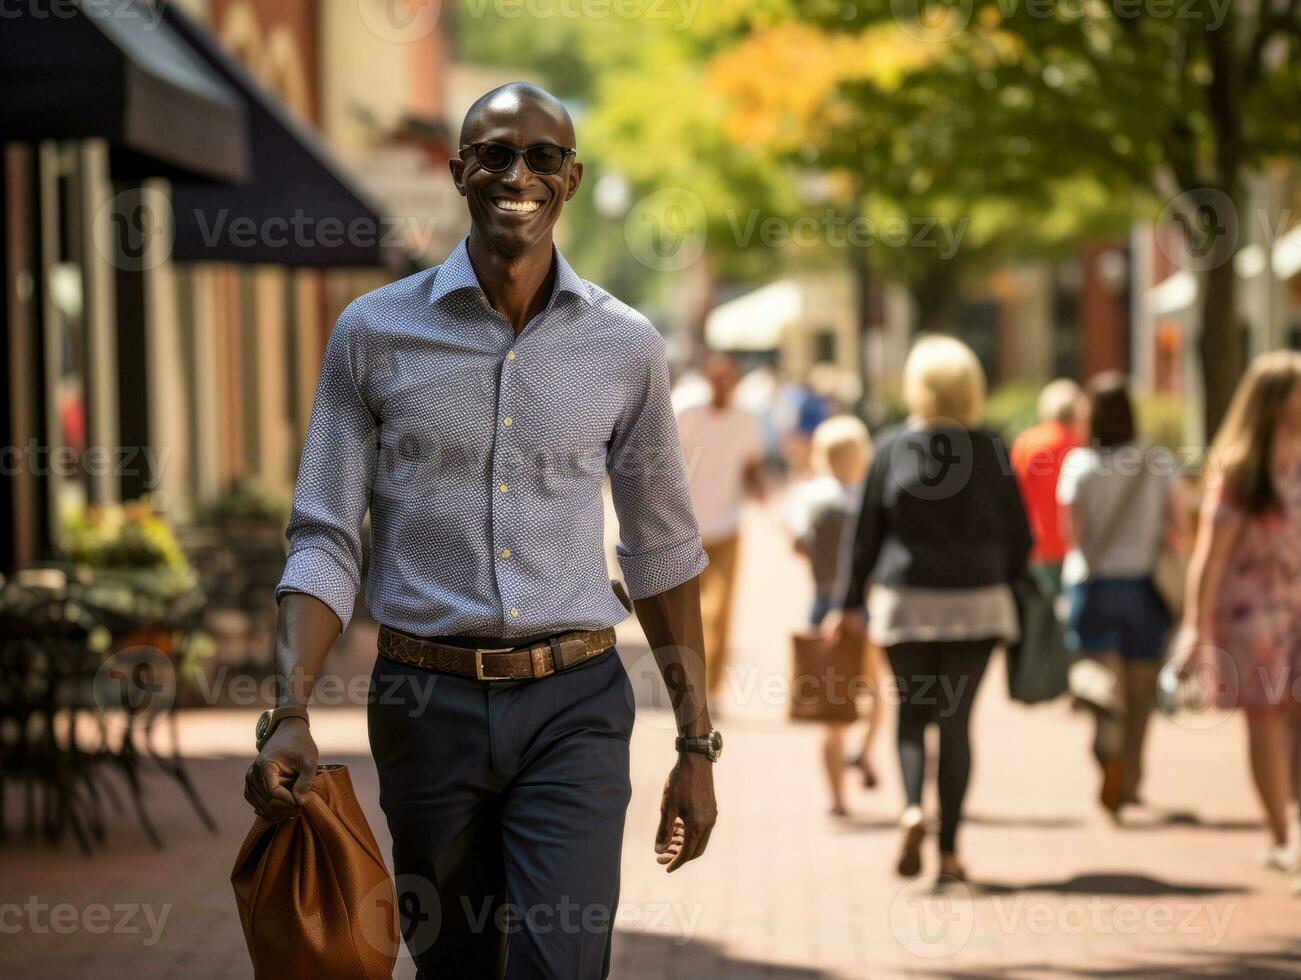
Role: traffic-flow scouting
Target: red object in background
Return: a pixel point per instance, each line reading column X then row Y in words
column 1037, row 457
column 72, row 417
column 1169, row 347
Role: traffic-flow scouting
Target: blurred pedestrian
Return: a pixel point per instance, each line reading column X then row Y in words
column 756, row 392
column 941, row 531
column 724, row 451
column 690, row 388
column 1244, row 583
column 1037, row 456
column 821, row 512
column 1116, row 499
column 803, row 404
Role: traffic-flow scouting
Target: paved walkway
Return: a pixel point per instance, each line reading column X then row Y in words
column 785, row 891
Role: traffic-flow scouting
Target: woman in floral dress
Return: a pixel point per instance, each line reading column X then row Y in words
column 1244, row 580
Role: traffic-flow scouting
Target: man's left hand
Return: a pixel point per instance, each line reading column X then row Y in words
column 687, row 812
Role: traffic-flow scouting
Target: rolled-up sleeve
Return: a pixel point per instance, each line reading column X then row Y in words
column 335, row 476
column 659, row 540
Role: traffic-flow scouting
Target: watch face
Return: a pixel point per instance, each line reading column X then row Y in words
column 715, row 741
column 263, row 723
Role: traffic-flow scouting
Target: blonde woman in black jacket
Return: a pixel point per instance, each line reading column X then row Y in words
column 940, row 534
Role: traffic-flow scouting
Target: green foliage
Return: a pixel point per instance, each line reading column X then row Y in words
column 130, row 537
column 1031, row 125
column 1160, row 419
column 247, row 502
column 638, row 89
column 1011, row 409
column 1158, row 104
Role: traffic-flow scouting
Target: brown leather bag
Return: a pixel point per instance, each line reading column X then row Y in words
column 824, row 679
column 315, row 898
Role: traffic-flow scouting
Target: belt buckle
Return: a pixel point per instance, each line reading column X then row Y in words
column 478, row 664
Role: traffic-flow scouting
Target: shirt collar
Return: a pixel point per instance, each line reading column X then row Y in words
column 456, row 273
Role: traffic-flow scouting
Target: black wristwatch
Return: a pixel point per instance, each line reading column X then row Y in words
column 270, row 719
column 709, row 745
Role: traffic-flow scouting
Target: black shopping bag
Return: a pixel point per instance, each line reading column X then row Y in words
column 1038, row 663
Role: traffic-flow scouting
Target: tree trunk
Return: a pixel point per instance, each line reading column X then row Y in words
column 1221, row 343
column 703, row 289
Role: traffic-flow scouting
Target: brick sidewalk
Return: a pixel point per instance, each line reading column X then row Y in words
column 785, row 891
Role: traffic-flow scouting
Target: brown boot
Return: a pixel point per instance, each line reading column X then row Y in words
column 1112, row 795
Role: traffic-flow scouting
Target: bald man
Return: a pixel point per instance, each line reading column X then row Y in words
column 475, row 410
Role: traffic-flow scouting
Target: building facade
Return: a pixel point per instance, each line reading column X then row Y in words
column 140, row 364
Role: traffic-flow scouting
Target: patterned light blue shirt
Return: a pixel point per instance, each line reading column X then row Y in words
column 481, row 457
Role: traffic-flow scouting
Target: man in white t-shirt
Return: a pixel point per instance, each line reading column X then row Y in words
column 723, row 447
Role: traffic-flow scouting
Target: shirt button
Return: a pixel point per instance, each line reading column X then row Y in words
column 506, row 420
column 503, row 488
column 510, row 355
column 514, row 612
column 505, row 552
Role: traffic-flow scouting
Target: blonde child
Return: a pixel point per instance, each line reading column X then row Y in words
column 821, row 517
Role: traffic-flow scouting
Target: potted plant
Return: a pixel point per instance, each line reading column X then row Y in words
column 132, row 568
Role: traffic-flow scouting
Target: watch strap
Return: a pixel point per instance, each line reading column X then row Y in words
column 276, row 715
column 700, row 744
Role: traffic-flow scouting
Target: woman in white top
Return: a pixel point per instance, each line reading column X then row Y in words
column 1115, row 495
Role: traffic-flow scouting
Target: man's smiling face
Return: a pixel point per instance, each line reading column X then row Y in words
column 516, row 209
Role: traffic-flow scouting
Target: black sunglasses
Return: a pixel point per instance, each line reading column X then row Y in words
column 542, row 158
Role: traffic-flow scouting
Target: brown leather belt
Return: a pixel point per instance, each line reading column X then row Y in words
column 540, row 659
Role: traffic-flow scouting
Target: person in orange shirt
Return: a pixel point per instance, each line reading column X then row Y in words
column 1037, row 456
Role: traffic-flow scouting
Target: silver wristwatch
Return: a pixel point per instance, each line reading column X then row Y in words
column 709, row 745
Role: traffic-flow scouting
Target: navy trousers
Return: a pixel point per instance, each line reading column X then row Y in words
column 506, row 804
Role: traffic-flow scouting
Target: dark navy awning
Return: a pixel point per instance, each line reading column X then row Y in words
column 298, row 206
column 116, row 70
